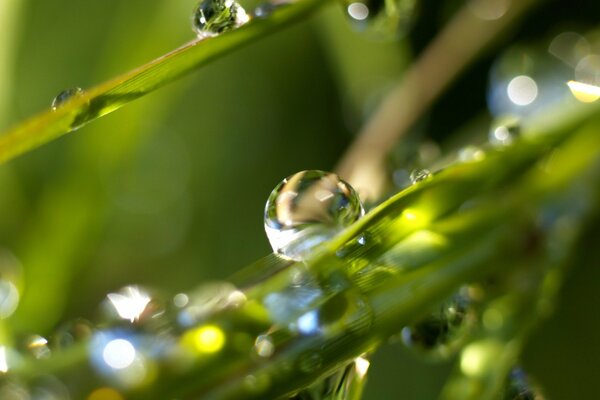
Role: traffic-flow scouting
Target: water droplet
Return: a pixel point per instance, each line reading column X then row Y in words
column 264, row 346
column 518, row 386
column 383, row 19
column 307, row 209
column 213, row 17
column 441, row 333
column 419, row 175
column 65, row 96
column 504, row 131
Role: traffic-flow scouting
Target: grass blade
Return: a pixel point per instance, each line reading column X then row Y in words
column 115, row 93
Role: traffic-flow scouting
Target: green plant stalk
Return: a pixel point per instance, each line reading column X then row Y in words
column 115, row 93
column 497, row 350
column 363, row 297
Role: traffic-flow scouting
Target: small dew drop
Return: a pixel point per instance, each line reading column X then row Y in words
column 264, row 346
column 65, row 96
column 504, row 131
column 419, row 175
column 307, row 209
column 213, row 17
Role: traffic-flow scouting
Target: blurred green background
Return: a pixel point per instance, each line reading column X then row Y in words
column 169, row 191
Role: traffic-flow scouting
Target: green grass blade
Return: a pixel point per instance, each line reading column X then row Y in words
column 115, row 93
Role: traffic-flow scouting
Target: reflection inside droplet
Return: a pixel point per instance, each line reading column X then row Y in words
column 522, row 90
column 307, row 209
column 213, row 17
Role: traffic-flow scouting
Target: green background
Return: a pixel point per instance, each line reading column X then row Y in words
column 170, row 190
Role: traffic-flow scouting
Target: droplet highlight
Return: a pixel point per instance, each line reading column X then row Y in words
column 381, row 19
column 213, row 17
column 307, row 209
column 504, row 131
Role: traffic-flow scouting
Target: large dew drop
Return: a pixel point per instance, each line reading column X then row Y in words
column 213, row 17
column 307, row 209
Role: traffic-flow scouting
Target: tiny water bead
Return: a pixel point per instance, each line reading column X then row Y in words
column 381, row 18
column 65, row 96
column 504, row 131
column 419, row 175
column 213, row 17
column 308, row 208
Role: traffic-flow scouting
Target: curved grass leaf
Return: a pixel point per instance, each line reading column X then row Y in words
column 115, row 93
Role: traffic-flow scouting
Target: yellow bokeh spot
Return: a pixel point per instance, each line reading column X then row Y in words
column 584, row 92
column 105, row 393
column 205, row 339
column 477, row 358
